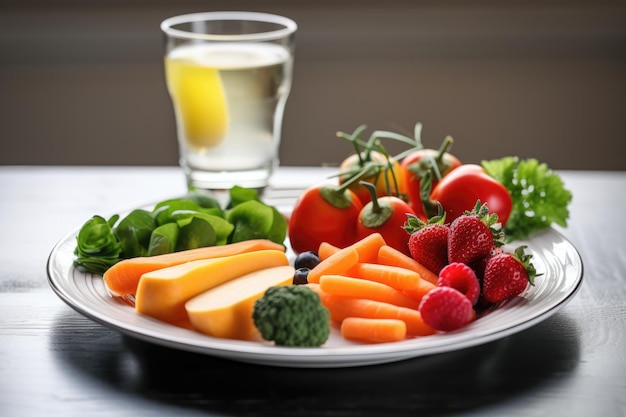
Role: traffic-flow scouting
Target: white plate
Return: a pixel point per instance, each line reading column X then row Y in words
column 554, row 256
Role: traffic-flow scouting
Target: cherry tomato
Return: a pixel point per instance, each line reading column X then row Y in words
column 324, row 213
column 386, row 215
column 417, row 164
column 375, row 168
column 460, row 189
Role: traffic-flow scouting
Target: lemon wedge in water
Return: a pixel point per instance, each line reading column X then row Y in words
column 200, row 102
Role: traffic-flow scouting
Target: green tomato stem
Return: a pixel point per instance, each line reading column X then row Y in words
column 372, row 190
column 374, row 215
column 335, row 196
column 445, row 145
column 354, row 140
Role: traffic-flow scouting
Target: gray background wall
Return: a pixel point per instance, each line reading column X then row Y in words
column 82, row 82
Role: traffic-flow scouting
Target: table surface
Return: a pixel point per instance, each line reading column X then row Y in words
column 54, row 361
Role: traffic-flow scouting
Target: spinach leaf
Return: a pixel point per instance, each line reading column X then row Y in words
column 256, row 220
column 240, row 195
column 134, row 232
column 163, row 239
column 163, row 212
column 203, row 200
column 278, row 231
column 221, row 227
column 195, row 233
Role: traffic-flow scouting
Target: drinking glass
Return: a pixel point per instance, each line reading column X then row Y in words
column 228, row 75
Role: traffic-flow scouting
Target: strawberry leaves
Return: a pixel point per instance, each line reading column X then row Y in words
column 525, row 259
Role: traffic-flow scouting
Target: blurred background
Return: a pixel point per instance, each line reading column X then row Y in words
column 82, row 82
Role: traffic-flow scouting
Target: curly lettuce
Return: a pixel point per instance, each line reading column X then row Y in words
column 539, row 196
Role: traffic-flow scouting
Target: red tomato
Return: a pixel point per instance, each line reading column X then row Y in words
column 323, row 213
column 460, row 189
column 417, row 164
column 387, row 216
column 375, row 175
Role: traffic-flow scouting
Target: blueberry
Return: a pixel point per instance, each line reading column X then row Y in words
column 308, row 259
column 301, row 276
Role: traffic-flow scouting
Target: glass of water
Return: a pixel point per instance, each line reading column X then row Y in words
column 229, row 75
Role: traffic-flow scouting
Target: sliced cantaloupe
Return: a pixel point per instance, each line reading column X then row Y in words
column 162, row 294
column 226, row 311
column 123, row 277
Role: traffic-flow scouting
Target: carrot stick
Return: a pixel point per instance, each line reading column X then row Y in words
column 394, row 276
column 337, row 263
column 391, row 256
column 363, row 288
column 373, row 330
column 123, row 277
column 326, row 249
column 341, row 308
column 420, row 291
column 369, row 246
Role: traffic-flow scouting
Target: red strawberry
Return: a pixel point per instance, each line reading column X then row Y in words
column 428, row 241
column 473, row 235
column 507, row 275
column 445, row 309
column 462, row 278
column 479, row 265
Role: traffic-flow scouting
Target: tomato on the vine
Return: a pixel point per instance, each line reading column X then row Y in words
column 434, row 163
column 460, row 189
column 324, row 213
column 375, row 168
column 385, row 215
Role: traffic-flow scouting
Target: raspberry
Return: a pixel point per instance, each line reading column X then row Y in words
column 462, row 278
column 445, row 309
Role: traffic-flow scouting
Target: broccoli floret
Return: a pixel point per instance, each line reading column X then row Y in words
column 292, row 315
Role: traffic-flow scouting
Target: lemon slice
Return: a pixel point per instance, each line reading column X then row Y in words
column 200, row 102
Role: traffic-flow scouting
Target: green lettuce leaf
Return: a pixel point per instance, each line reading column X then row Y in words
column 540, row 198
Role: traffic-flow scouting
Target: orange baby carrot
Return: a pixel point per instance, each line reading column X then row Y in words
column 326, row 249
column 123, row 277
column 337, row 263
column 394, row 276
column 369, row 246
column 363, row 288
column 341, row 308
column 391, row 256
column 373, row 330
column 420, row 291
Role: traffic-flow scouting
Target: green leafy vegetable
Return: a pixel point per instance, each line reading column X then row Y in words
column 164, row 211
column 97, row 246
column 240, row 195
column 134, row 232
column 163, row 239
column 192, row 221
column 255, row 220
column 540, row 198
column 203, row 200
column 195, row 233
column 222, row 228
